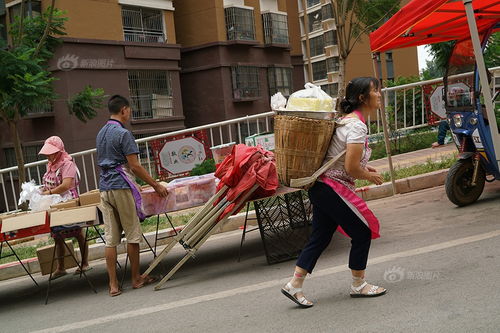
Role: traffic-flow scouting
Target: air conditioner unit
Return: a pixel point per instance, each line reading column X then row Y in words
column 161, row 106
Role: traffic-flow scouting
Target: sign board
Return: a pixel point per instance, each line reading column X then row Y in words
column 437, row 101
column 176, row 156
column 266, row 140
column 182, row 155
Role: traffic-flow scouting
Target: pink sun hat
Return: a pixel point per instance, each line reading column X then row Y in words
column 52, row 145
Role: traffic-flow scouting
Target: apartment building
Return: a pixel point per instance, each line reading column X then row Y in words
column 235, row 55
column 320, row 51
column 126, row 47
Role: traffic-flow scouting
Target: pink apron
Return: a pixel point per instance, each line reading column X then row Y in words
column 343, row 184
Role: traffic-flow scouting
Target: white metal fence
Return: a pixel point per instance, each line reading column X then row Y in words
column 234, row 130
column 404, row 104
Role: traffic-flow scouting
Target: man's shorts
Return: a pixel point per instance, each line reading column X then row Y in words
column 119, row 214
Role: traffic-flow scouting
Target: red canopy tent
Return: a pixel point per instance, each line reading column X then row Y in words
column 432, row 21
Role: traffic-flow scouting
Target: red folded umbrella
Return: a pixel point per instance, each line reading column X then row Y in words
column 245, row 167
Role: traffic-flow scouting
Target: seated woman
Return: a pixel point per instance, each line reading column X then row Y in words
column 62, row 178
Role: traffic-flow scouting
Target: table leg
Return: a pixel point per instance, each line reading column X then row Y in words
column 18, row 259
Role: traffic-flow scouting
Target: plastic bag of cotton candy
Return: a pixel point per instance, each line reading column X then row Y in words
column 32, row 194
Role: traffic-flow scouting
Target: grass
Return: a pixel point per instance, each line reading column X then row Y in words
column 415, row 170
column 24, row 252
column 406, row 144
column 148, row 225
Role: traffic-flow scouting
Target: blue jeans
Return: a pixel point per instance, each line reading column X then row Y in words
column 330, row 211
column 443, row 128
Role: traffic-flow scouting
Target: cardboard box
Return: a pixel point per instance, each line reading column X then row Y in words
column 22, row 220
column 74, row 215
column 45, row 253
column 266, row 140
column 90, row 198
column 67, row 204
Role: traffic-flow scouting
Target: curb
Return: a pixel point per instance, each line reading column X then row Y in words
column 406, row 185
column 367, row 193
column 96, row 251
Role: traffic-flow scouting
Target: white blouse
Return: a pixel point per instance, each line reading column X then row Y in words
column 348, row 130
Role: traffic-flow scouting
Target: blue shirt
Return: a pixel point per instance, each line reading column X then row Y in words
column 114, row 143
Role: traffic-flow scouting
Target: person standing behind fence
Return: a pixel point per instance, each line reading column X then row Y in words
column 117, row 158
column 62, row 178
column 335, row 204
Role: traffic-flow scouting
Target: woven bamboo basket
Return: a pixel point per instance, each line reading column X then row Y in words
column 300, row 145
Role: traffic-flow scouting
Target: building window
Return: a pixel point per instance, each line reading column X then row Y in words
column 245, row 82
column 317, row 46
column 30, row 154
column 280, row 80
column 327, row 11
column 3, row 26
column 41, row 109
column 319, row 70
column 150, row 94
column 311, row 3
column 314, row 20
column 330, row 37
column 239, row 23
column 143, row 25
column 332, row 64
column 32, row 8
column 331, row 89
column 275, row 28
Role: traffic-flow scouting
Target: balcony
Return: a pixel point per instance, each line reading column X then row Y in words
column 143, row 25
column 239, row 24
column 45, row 110
column 275, row 28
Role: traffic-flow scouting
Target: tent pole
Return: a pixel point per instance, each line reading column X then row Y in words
column 478, row 53
column 378, row 75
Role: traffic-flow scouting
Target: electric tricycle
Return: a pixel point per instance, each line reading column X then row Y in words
column 469, row 99
column 470, row 124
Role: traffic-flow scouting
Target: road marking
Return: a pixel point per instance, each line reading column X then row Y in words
column 263, row 285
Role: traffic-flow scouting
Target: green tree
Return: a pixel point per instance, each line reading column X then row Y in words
column 355, row 19
column 431, row 71
column 492, row 51
column 441, row 52
column 25, row 81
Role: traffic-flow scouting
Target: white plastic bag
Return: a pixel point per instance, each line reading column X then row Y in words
column 278, row 101
column 37, row 201
column 28, row 189
column 312, row 98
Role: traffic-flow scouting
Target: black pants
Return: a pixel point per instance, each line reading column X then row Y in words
column 330, row 211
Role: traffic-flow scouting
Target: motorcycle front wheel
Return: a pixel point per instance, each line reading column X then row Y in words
column 459, row 188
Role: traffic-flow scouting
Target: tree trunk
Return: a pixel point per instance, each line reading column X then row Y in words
column 342, row 74
column 19, row 151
